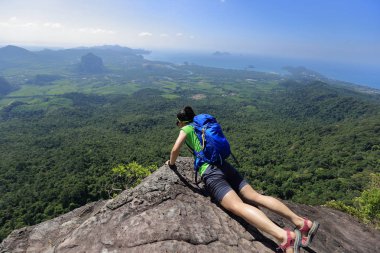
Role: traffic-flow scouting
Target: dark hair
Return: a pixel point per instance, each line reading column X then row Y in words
column 186, row 114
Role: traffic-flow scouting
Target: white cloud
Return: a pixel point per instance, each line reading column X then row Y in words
column 179, row 34
column 93, row 30
column 15, row 22
column 4, row 24
column 145, row 34
column 53, row 25
column 164, row 35
column 29, row 25
column 45, row 31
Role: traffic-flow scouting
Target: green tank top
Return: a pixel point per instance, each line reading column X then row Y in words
column 193, row 142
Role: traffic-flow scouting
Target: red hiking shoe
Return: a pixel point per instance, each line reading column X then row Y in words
column 310, row 231
column 290, row 242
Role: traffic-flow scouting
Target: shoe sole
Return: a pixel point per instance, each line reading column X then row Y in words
column 312, row 232
column 297, row 241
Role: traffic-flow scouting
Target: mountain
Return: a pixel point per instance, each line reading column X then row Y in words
column 304, row 73
column 12, row 56
column 117, row 48
column 113, row 54
column 167, row 212
column 91, row 64
column 5, row 86
column 218, row 53
column 13, row 52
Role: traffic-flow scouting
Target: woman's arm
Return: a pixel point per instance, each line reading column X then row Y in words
column 176, row 148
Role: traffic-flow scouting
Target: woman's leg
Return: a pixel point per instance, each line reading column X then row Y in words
column 254, row 216
column 249, row 195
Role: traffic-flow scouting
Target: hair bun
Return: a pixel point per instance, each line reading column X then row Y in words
column 186, row 114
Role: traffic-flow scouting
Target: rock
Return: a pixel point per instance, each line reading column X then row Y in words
column 91, row 64
column 168, row 213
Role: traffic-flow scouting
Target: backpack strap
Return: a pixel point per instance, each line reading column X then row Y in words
column 203, row 137
column 236, row 161
column 190, row 149
column 195, row 170
column 196, row 178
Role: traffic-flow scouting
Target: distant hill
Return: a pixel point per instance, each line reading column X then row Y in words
column 304, row 73
column 116, row 48
column 12, row 56
column 218, row 53
column 91, row 64
column 13, row 52
column 109, row 53
column 5, row 87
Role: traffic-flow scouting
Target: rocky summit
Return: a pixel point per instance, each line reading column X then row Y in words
column 167, row 212
column 91, row 64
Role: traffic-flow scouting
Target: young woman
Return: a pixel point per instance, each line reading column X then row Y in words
column 228, row 187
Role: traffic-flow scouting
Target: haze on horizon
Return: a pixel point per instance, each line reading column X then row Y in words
column 338, row 31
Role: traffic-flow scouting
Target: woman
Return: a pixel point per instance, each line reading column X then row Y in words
column 228, row 187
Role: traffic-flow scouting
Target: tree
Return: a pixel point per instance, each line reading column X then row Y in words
column 367, row 205
column 128, row 176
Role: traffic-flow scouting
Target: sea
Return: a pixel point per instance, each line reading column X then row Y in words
column 364, row 75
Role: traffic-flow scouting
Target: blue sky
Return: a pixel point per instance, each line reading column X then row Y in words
column 338, row 30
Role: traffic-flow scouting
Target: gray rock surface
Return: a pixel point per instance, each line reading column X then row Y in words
column 168, row 213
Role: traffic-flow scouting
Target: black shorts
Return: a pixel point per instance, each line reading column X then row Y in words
column 222, row 179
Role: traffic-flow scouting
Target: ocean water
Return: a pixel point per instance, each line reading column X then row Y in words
column 354, row 73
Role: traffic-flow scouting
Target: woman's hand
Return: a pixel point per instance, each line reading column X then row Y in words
column 168, row 163
column 172, row 166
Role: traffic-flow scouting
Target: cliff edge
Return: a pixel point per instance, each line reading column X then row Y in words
column 168, row 213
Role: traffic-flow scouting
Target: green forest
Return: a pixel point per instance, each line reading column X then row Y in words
column 63, row 133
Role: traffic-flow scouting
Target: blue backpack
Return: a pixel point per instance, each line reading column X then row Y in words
column 215, row 147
